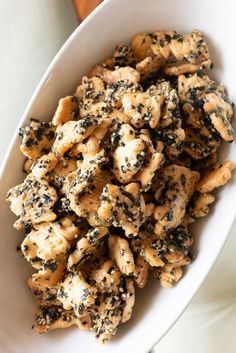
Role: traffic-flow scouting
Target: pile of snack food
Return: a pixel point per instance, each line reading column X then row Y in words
column 115, row 179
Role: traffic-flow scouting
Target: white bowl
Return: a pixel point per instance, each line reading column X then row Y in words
column 156, row 309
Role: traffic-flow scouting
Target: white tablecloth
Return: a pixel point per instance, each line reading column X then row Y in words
column 31, row 32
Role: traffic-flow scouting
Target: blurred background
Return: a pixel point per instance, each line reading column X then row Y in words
column 31, row 33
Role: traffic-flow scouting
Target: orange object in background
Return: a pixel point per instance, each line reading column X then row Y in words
column 84, row 7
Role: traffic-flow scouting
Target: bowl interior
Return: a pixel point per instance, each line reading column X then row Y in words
column 156, row 309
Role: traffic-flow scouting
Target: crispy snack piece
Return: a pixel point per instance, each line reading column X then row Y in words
column 169, row 276
column 91, row 96
column 105, row 323
column 178, row 241
column 74, row 292
column 67, row 109
column 73, row 132
column 54, row 317
column 200, row 207
column 121, row 255
column 92, row 145
column 197, row 147
column 160, row 43
column 122, row 56
column 149, row 61
column 86, row 204
column 27, row 165
column 86, row 246
column 142, row 268
column 117, row 90
column 49, row 240
column 37, row 138
column 150, row 65
column 116, row 305
column 176, row 70
column 191, row 88
column 129, row 155
column 122, row 206
column 220, row 112
column 84, row 187
column 141, row 108
column 92, row 89
column 181, row 184
column 170, row 125
column 190, row 47
column 172, row 271
column 169, row 101
column 183, row 53
column 44, row 165
column 153, row 161
column 107, row 277
column 129, row 299
column 149, row 247
column 190, row 52
column 32, row 201
column 61, row 170
column 44, row 283
column 210, row 97
column 141, row 45
column 216, row 177
column 120, row 74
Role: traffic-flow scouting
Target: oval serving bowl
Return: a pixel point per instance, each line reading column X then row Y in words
column 156, row 309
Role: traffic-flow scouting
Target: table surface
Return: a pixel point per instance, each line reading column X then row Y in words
column 31, row 32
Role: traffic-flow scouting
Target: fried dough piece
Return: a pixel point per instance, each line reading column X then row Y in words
column 141, row 45
column 122, row 206
column 142, row 268
column 62, row 169
column 67, row 109
column 116, row 305
column 49, row 240
column 74, row 292
column 86, row 245
column 154, row 161
column 181, row 184
column 169, row 101
column 37, row 138
column 32, row 201
column 44, row 282
column 84, row 187
column 27, row 165
column 149, row 247
column 172, row 271
column 150, row 65
column 120, row 74
column 54, row 317
column 129, row 298
column 196, row 147
column 44, row 165
column 220, row 112
column 91, row 88
column 216, row 177
column 141, row 108
column 201, row 205
column 122, row 56
column 176, row 70
column 116, row 91
column 211, row 97
column 73, row 132
column 129, row 155
column 121, row 255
